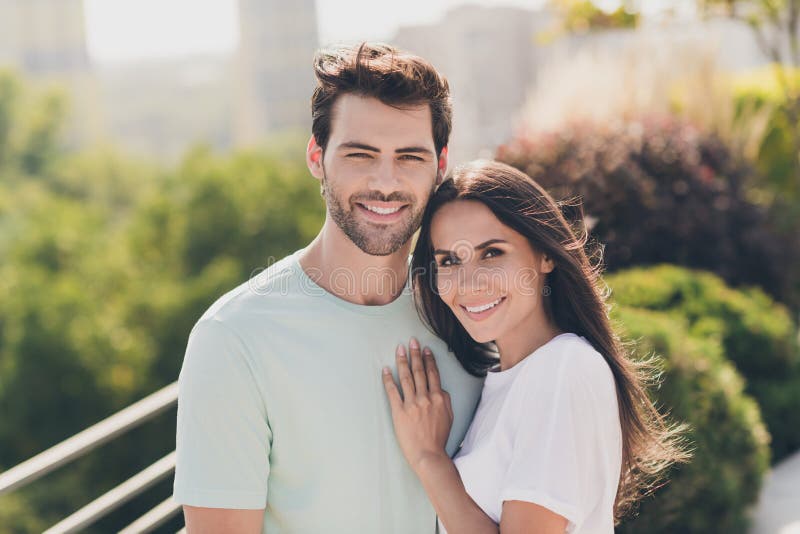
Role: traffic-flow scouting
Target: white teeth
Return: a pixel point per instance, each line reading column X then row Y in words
column 382, row 211
column 485, row 307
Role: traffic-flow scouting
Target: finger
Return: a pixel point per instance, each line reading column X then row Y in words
column 448, row 403
column 432, row 370
column 418, row 368
column 391, row 389
column 404, row 374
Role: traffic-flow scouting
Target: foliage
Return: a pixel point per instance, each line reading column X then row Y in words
column 107, row 263
column 776, row 28
column 776, row 158
column 580, row 16
column 30, row 124
column 660, row 191
column 757, row 335
column 730, row 444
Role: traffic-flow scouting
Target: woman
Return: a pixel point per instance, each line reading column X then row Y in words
column 564, row 438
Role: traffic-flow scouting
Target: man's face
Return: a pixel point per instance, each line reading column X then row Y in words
column 378, row 171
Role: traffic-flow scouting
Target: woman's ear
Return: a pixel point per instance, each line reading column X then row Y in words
column 546, row 265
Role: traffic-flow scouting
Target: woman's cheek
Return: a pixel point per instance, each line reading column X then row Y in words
column 445, row 285
column 501, row 280
column 525, row 280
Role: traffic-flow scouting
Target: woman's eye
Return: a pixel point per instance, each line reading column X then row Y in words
column 446, row 262
column 492, row 253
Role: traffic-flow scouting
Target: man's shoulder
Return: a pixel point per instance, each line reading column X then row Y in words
column 257, row 295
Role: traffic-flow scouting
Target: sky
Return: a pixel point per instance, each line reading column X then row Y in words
column 120, row 30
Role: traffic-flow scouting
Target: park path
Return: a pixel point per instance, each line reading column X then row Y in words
column 778, row 509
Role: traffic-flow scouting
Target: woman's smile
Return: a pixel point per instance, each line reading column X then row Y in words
column 480, row 312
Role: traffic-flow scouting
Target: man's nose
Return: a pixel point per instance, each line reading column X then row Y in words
column 384, row 177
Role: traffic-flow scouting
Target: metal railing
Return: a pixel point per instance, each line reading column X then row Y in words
column 94, row 436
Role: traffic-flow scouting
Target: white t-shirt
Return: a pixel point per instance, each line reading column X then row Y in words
column 547, row 431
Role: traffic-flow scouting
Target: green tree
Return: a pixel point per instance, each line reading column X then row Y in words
column 31, row 122
column 107, row 262
column 578, row 16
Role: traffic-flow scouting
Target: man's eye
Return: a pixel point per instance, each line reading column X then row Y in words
column 409, row 157
column 359, row 155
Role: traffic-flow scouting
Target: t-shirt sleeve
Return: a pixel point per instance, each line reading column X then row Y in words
column 223, row 436
column 566, row 446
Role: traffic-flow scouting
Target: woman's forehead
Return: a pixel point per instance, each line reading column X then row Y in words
column 467, row 223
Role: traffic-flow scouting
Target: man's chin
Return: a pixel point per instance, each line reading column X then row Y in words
column 382, row 245
column 376, row 239
column 378, row 249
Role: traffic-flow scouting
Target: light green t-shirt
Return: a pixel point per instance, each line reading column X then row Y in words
column 281, row 405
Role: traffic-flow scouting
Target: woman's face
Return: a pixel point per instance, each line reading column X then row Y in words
column 487, row 273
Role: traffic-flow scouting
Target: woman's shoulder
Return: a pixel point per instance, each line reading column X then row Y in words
column 568, row 359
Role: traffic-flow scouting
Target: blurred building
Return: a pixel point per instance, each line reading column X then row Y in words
column 44, row 37
column 159, row 107
column 45, row 40
column 275, row 77
column 495, row 59
column 731, row 42
column 489, row 56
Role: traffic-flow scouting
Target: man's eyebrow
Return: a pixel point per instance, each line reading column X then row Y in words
column 479, row 247
column 359, row 146
column 405, row 150
column 414, row 150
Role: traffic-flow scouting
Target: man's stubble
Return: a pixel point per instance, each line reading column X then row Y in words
column 372, row 239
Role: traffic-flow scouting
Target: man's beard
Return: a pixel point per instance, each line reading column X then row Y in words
column 371, row 238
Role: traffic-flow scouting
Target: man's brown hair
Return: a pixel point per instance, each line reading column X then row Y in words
column 395, row 77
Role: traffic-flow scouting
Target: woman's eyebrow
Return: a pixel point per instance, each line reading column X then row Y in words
column 479, row 247
column 490, row 242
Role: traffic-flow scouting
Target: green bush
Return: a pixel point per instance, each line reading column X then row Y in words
column 756, row 334
column 730, row 444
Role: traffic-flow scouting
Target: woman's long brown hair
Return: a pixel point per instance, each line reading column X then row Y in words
column 576, row 303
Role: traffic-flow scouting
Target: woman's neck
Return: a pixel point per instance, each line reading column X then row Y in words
column 524, row 339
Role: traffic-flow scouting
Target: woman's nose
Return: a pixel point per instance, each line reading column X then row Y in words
column 473, row 279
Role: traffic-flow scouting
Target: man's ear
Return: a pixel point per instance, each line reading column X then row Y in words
column 314, row 159
column 441, row 169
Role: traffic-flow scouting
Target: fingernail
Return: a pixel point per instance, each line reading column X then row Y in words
column 427, row 351
column 401, row 350
column 386, row 370
column 414, row 343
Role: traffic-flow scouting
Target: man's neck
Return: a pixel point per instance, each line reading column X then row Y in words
column 337, row 265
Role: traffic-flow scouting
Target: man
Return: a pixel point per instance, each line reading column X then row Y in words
column 283, row 423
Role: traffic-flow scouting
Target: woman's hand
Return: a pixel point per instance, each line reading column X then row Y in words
column 422, row 416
